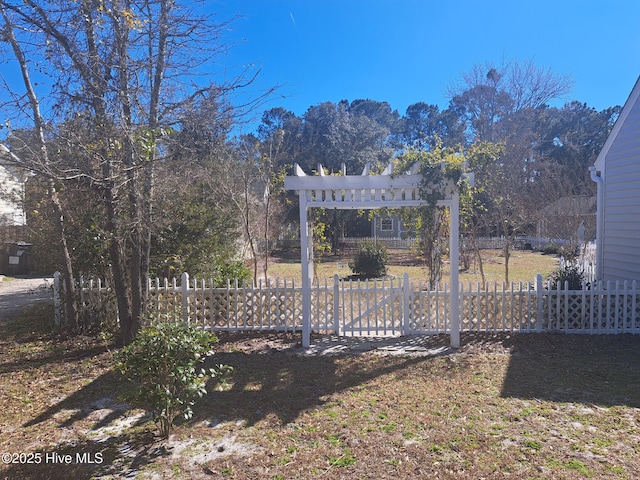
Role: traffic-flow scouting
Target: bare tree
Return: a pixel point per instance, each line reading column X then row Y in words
column 489, row 93
column 503, row 105
column 43, row 159
column 120, row 70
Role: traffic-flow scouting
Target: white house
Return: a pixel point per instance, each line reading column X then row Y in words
column 11, row 191
column 617, row 174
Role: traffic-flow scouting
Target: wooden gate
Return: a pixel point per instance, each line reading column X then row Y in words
column 372, row 307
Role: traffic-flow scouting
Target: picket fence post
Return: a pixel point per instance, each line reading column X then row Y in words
column 185, row 297
column 539, row 303
column 336, row 304
column 406, row 310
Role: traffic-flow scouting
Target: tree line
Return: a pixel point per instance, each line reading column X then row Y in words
column 138, row 172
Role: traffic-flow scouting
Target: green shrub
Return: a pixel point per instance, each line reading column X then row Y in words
column 551, row 250
column 370, row 261
column 165, row 364
column 229, row 270
column 572, row 274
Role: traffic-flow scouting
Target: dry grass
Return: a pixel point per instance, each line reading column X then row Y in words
column 508, row 406
column 523, row 266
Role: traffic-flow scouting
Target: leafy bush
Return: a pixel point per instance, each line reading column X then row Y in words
column 572, row 274
column 165, row 364
column 370, row 261
column 229, row 270
column 551, row 250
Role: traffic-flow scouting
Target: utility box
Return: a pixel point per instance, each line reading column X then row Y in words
column 16, row 259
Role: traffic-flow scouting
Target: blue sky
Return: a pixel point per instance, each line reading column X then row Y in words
column 406, row 51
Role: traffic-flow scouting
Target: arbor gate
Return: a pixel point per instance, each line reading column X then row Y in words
column 363, row 192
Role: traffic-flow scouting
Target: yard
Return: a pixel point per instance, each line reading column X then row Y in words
column 523, row 266
column 502, row 406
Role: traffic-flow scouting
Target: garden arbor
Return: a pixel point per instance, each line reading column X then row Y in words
column 366, row 192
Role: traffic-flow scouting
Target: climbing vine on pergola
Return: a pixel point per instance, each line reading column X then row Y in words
column 367, row 192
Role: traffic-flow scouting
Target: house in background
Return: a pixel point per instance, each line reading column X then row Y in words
column 388, row 226
column 617, row 174
column 12, row 182
column 14, row 252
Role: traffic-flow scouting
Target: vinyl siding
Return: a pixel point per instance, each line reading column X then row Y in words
column 10, row 188
column 621, row 236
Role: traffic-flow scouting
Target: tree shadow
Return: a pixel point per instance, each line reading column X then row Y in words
column 286, row 383
column 83, row 404
column 112, row 444
column 601, row 370
column 118, row 456
column 76, row 355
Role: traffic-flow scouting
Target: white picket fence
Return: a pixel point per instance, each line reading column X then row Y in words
column 386, row 307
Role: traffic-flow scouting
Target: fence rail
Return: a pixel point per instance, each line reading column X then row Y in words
column 375, row 307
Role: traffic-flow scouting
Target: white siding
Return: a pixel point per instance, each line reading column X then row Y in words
column 621, row 203
column 11, row 213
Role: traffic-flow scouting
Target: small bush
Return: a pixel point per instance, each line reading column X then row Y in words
column 551, row 250
column 164, row 362
column 370, row 261
column 571, row 274
column 230, row 270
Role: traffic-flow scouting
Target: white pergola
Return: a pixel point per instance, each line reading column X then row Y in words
column 362, row 192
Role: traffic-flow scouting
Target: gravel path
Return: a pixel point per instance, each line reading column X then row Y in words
column 18, row 293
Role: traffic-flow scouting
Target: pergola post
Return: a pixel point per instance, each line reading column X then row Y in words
column 454, row 223
column 306, row 254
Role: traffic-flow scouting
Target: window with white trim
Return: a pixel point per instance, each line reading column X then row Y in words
column 386, row 224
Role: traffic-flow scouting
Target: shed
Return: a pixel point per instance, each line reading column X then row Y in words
column 617, row 174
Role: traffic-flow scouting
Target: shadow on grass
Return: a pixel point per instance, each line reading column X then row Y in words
column 268, row 383
column 56, row 356
column 118, row 456
column 97, row 395
column 287, row 384
column 601, row 370
column 113, row 444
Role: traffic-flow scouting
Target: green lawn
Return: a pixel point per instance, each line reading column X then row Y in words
column 523, row 266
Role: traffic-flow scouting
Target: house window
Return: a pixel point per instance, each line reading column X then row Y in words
column 386, row 225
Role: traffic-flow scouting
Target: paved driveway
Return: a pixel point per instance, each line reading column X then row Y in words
column 18, row 293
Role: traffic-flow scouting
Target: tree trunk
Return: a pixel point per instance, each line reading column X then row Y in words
column 71, row 304
column 474, row 242
column 128, row 323
column 507, row 254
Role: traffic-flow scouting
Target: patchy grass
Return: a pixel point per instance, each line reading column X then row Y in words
column 523, row 266
column 517, row 406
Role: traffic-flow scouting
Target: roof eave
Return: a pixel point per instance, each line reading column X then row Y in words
column 626, row 110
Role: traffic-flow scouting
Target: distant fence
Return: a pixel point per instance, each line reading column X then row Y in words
column 389, row 242
column 375, row 307
column 586, row 267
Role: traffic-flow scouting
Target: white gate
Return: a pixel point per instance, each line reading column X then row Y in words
column 373, row 307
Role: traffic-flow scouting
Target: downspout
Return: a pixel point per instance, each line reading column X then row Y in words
column 595, row 176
